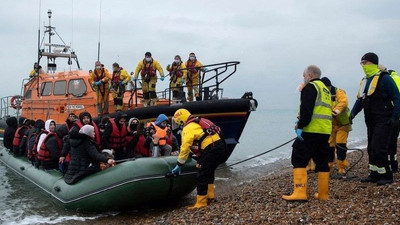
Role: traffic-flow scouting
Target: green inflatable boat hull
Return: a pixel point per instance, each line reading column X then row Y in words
column 128, row 185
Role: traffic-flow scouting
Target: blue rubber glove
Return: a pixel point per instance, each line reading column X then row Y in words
column 134, row 79
column 97, row 83
column 122, row 83
column 182, row 80
column 298, row 133
column 162, row 78
column 176, row 170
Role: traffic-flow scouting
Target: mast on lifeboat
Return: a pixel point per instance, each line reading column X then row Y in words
column 52, row 51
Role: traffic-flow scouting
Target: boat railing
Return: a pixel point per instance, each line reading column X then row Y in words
column 211, row 77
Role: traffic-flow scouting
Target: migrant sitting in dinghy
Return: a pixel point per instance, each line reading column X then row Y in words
column 49, row 146
column 85, row 158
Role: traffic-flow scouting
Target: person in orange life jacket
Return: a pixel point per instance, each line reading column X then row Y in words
column 9, row 132
column 177, row 73
column 148, row 68
column 32, row 136
column 99, row 80
column 19, row 134
column 160, row 146
column 49, row 146
column 132, row 136
column 85, row 157
column 119, row 80
column 193, row 67
column 206, row 143
column 380, row 99
column 145, row 133
column 114, row 136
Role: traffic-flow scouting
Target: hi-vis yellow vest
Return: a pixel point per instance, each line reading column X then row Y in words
column 321, row 120
column 371, row 89
column 344, row 117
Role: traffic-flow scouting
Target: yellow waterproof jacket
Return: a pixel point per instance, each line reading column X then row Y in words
column 97, row 75
column 141, row 65
column 182, row 69
column 124, row 76
column 341, row 100
column 193, row 72
column 191, row 133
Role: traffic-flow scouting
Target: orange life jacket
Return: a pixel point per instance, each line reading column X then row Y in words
column 17, row 137
column 118, row 137
column 44, row 153
column 161, row 133
column 148, row 69
column 190, row 65
column 96, row 131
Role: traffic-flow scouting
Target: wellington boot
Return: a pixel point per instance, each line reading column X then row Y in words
column 330, row 164
column 323, row 186
column 210, row 191
column 201, row 202
column 342, row 166
column 299, row 184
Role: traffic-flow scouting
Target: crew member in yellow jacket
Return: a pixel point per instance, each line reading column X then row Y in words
column 177, row 73
column 340, row 127
column 99, row 78
column 193, row 77
column 148, row 68
column 207, row 146
column 37, row 69
column 119, row 80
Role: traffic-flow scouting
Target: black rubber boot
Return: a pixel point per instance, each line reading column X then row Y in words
column 372, row 178
column 386, row 178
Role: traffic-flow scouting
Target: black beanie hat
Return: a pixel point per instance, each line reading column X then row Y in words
column 39, row 124
column 147, row 54
column 326, row 81
column 371, row 57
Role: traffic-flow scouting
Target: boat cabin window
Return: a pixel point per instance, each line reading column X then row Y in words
column 59, row 87
column 28, row 94
column 77, row 87
column 46, row 88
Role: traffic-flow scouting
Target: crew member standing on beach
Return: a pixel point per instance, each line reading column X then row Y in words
column 201, row 137
column 380, row 99
column 340, row 127
column 99, row 79
column 313, row 130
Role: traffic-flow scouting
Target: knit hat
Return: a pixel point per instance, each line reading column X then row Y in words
column 88, row 130
column 326, row 81
column 371, row 57
column 161, row 118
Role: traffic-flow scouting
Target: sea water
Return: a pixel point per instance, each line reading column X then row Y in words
column 24, row 203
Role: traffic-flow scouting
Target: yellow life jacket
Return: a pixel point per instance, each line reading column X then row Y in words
column 321, row 120
column 371, row 89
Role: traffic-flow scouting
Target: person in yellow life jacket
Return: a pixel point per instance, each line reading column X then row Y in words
column 37, row 69
column 204, row 139
column 147, row 68
column 313, row 130
column 160, row 146
column 99, row 78
column 379, row 97
column 119, row 80
column 341, row 127
column 394, row 136
column 178, row 73
column 193, row 77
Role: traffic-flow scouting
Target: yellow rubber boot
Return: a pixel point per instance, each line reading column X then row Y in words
column 200, row 203
column 299, row 184
column 342, row 166
column 323, row 186
column 210, row 191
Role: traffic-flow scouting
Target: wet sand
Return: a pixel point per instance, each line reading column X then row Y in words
column 256, row 199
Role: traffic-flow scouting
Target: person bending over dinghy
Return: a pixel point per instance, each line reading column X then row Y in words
column 49, row 146
column 85, row 158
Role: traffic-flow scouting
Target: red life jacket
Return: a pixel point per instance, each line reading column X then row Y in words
column 44, row 153
column 191, row 66
column 148, row 69
column 116, row 77
column 117, row 138
column 17, row 137
column 170, row 139
column 176, row 70
column 140, row 149
column 100, row 76
column 209, row 129
column 96, row 131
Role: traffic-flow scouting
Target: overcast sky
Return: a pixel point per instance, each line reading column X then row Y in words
column 273, row 40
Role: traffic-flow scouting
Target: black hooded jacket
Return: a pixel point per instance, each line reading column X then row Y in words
column 12, row 125
column 85, row 159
